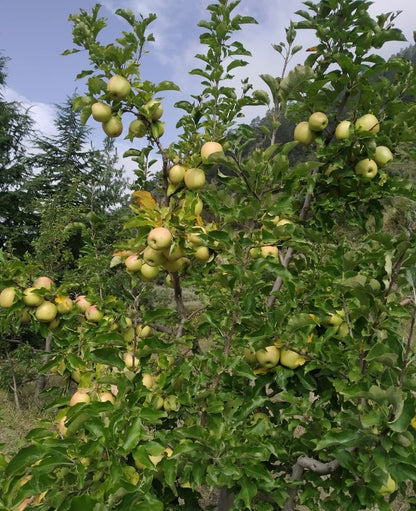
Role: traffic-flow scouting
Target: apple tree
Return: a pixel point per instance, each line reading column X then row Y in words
column 288, row 378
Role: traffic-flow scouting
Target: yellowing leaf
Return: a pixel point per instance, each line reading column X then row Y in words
column 145, row 199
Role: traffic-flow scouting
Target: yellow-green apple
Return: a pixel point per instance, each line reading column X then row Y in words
column 154, row 109
column 143, row 331
column 389, row 487
column 202, row 254
column 291, row 359
column 342, row 131
column 268, row 356
column 383, row 156
column 171, row 403
column 130, row 361
column 31, row 298
column 343, row 329
column 210, row 148
column 153, row 257
column 118, row 87
column 148, row 272
column 366, row 168
column 194, row 178
column 63, row 304
column 194, row 236
column 43, row 283
column 101, row 112
column 318, row 121
column 106, row 396
column 336, row 318
column 173, row 253
column 61, row 426
column 254, row 252
column 128, row 334
column 133, row 263
column 80, row 396
column 304, row 134
column 250, row 356
column 137, row 128
column 54, row 323
column 82, row 303
column 148, row 381
column 25, row 316
column 93, row 314
column 367, row 122
column 7, row 297
column 159, row 238
column 269, row 251
column 158, row 129
column 176, row 265
column 169, row 281
column 46, row 312
column 176, row 174
column 113, row 127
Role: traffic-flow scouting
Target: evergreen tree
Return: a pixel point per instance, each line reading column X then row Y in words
column 18, row 222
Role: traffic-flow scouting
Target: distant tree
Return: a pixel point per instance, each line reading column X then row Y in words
column 18, row 222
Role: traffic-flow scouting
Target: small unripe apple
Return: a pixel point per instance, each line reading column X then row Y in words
column 169, row 281
column 137, row 128
column 153, row 257
column 106, row 396
column 148, row 381
column 158, row 129
column 133, row 263
column 143, row 331
column 210, row 148
column 159, row 238
column 32, row 299
column 383, row 156
column 130, row 361
column 342, row 131
column 46, row 312
column 148, row 272
column 318, row 121
column 43, row 283
column 80, row 396
column 176, row 174
column 336, row 319
column 101, row 112
column 304, row 134
column 366, row 168
column 154, row 109
column 113, row 127
column 118, row 87
column 7, row 297
column 269, row 251
column 268, row 356
column 194, row 179
column 202, row 254
column 367, row 122
column 82, row 303
column 93, row 314
column 63, row 304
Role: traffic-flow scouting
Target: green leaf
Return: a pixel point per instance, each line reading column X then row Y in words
column 334, row 438
column 23, row 459
column 109, row 356
column 166, row 85
column 83, row 502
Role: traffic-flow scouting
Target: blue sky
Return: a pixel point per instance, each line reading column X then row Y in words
column 34, row 33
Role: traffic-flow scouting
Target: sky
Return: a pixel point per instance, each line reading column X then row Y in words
column 34, row 33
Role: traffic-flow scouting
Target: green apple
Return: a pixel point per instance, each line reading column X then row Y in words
column 250, row 356
column 389, row 487
column 383, row 156
column 175, row 265
column 133, row 263
column 118, row 87
column 32, row 299
column 148, row 381
column 158, row 129
column 303, row 134
column 210, row 148
column 291, row 359
column 366, row 168
column 318, row 121
column 43, row 283
column 143, row 331
column 137, row 128
column 154, row 109
column 176, row 174
column 342, row 131
column 93, row 314
column 113, row 127
column 63, row 303
column 254, row 252
column 202, row 253
column 101, row 112
column 130, row 361
column 148, row 272
column 46, row 312
column 80, row 396
column 169, row 281
column 194, row 178
column 343, row 330
column 336, row 318
column 173, row 253
column 367, row 122
column 7, row 297
column 61, row 426
column 171, row 403
column 268, row 356
column 269, row 251
column 159, row 238
column 153, row 257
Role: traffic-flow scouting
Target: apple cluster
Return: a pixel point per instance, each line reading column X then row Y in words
column 270, row 356
column 147, row 123
column 306, row 131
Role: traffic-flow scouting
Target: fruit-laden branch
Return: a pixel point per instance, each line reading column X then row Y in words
column 306, row 463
